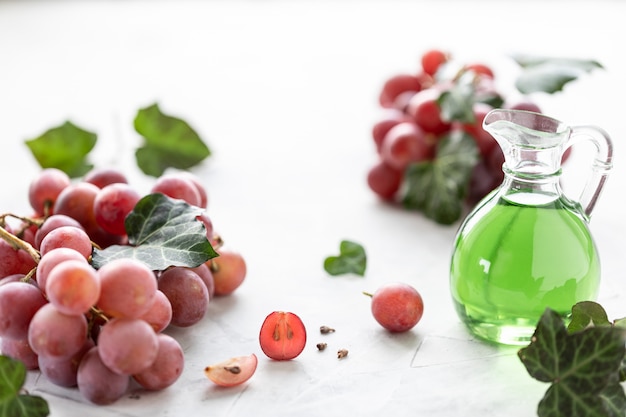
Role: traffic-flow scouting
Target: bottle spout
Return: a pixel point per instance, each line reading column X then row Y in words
column 532, row 143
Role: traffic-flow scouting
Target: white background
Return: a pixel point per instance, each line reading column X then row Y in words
column 285, row 94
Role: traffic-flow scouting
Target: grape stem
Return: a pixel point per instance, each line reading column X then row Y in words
column 18, row 243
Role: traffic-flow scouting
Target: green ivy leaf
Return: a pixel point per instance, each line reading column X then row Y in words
column 162, row 232
column 169, row 142
column 582, row 368
column 351, row 260
column 549, row 75
column 456, row 103
column 528, row 61
column 438, row 187
column 12, row 402
column 587, row 314
column 64, row 147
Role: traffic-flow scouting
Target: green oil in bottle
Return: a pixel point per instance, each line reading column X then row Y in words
column 513, row 260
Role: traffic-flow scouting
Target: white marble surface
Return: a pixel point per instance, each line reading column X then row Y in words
column 285, row 93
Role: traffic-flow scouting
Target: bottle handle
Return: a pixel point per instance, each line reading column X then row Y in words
column 600, row 167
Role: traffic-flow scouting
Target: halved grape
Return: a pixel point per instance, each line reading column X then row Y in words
column 233, row 371
column 282, row 335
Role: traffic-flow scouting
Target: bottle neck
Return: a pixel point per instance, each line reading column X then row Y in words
column 530, row 189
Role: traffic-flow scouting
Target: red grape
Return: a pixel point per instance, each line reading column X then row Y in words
column 14, row 261
column 178, row 187
column 282, row 335
column 67, row 237
column 20, row 350
column 73, row 287
column 127, row 288
column 111, row 206
column 480, row 69
column 432, row 60
column 53, row 258
column 187, row 293
column 52, row 333
column 159, row 315
column 202, row 192
column 19, row 302
column 384, row 180
column 166, row 368
column 396, row 86
column 51, row 223
column 97, row 383
column 397, row 307
column 45, row 189
column 63, row 372
column 425, row 110
column 404, row 144
column 390, row 119
column 229, row 271
column 205, row 274
column 127, row 346
column 101, row 177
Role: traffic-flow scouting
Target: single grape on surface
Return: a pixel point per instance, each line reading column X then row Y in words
column 397, row 307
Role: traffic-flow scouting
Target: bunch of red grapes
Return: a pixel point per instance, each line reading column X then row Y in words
column 101, row 329
column 413, row 123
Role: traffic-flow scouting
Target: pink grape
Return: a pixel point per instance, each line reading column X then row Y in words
column 67, row 237
column 14, row 261
column 202, row 192
column 205, row 274
column 166, row 368
column 97, row 383
column 101, row 177
column 208, row 225
column 76, row 201
column 19, row 302
column 178, row 187
column 159, row 315
column 45, row 188
column 15, row 278
column 229, row 271
column 127, row 288
column 52, row 259
column 52, row 333
column 112, row 204
column 127, row 346
column 187, row 293
column 397, row 307
column 51, row 223
column 20, row 350
column 63, row 372
column 73, row 287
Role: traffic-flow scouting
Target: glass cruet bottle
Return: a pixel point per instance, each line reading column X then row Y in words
column 527, row 246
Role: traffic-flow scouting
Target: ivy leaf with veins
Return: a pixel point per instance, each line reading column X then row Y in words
column 162, row 232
